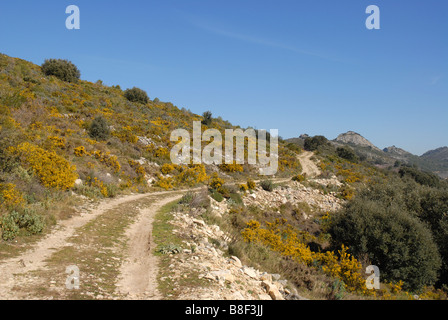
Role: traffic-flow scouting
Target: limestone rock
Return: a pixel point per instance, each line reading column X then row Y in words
column 236, row 261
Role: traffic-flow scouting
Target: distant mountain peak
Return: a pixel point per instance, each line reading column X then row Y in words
column 439, row 153
column 351, row 137
column 393, row 150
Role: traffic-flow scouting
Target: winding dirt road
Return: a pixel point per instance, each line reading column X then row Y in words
column 137, row 266
column 138, row 271
column 308, row 165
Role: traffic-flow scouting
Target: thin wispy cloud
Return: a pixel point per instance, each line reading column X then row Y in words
column 256, row 40
column 435, row 80
column 119, row 62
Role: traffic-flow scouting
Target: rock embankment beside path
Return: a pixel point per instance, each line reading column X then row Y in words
column 222, row 277
column 294, row 193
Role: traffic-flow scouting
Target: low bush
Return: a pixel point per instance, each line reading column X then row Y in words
column 9, row 228
column 30, row 221
column 11, row 223
column 267, row 185
column 217, row 196
column 313, row 143
column 216, row 182
column 423, row 178
column 399, row 244
column 52, row 170
column 298, row 178
column 136, row 95
column 347, row 153
column 200, row 200
column 187, row 198
column 207, row 118
column 80, row 151
column 99, row 129
column 62, row 69
column 234, row 167
column 9, row 196
column 251, row 184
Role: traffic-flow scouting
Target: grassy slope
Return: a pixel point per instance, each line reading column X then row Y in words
column 55, row 116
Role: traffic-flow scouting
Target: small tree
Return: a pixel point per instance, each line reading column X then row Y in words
column 136, row 95
column 99, row 129
column 347, row 153
column 207, row 115
column 267, row 185
column 62, row 69
column 398, row 243
column 311, row 144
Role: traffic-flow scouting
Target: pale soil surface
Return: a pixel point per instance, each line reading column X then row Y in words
column 139, row 271
column 112, row 241
column 308, row 166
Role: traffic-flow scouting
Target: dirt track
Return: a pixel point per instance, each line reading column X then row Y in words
column 308, row 166
column 138, row 271
column 13, row 269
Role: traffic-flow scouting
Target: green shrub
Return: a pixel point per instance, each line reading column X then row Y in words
column 398, row 243
column 267, row 185
column 11, row 223
column 168, row 249
column 207, row 115
column 217, row 196
column 30, row 221
column 99, row 129
column 347, row 153
column 112, row 190
column 62, row 69
column 187, row 198
column 294, row 147
column 423, row 178
column 8, row 226
column 338, row 289
column 312, row 143
column 434, row 211
column 236, row 198
column 136, row 95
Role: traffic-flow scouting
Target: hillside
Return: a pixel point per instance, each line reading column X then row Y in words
column 86, row 181
column 440, row 154
column 435, row 161
column 48, row 144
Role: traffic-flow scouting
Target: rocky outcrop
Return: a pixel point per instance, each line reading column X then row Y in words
column 295, row 192
column 352, row 137
column 394, row 151
column 222, row 278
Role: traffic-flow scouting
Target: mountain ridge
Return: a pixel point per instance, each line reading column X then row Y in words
column 435, row 160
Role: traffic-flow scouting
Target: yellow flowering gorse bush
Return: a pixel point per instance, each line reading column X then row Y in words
column 80, row 151
column 281, row 237
column 53, row 170
column 10, row 196
column 108, row 160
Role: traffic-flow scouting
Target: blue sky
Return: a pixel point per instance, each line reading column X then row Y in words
column 308, row 66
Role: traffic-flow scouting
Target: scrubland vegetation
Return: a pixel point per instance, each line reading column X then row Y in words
column 394, row 220
column 62, row 137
